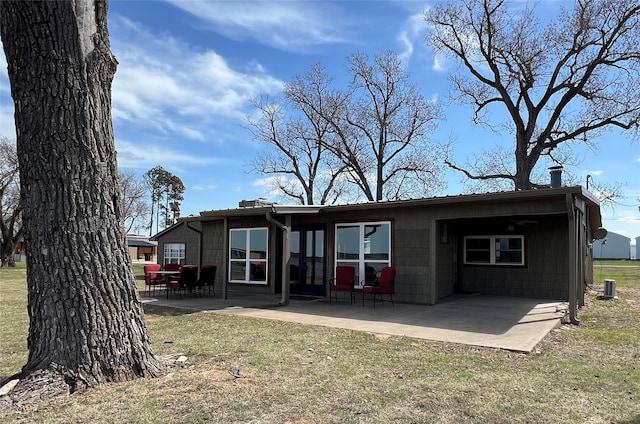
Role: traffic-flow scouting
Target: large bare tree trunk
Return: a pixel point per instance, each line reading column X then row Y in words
column 86, row 320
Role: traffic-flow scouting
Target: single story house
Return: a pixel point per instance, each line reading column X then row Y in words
column 141, row 248
column 613, row 246
column 533, row 243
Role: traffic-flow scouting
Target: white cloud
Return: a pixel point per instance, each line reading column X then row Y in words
column 267, row 184
column 413, row 32
column 204, row 187
column 629, row 217
column 285, row 25
column 4, row 76
column 413, row 38
column 146, row 156
column 438, row 64
column 171, row 88
column 7, row 123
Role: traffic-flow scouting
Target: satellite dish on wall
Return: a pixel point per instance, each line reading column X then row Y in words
column 600, row 233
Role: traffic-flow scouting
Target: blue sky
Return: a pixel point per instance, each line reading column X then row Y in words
column 189, row 68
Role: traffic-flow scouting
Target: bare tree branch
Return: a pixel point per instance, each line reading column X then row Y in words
column 567, row 81
column 134, row 201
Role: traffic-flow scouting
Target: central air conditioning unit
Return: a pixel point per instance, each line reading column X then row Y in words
column 609, row 289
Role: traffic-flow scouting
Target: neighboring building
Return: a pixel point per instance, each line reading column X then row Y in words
column 613, row 246
column 141, row 248
column 21, row 252
column 532, row 243
column 637, row 248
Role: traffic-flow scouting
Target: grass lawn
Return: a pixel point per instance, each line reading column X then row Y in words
column 292, row 373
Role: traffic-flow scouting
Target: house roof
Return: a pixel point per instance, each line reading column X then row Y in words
column 275, row 209
column 139, row 243
column 462, row 199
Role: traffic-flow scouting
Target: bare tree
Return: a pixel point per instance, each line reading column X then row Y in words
column 561, row 83
column 376, row 130
column 86, row 319
column 11, row 228
column 608, row 194
column 389, row 120
column 134, row 201
column 302, row 166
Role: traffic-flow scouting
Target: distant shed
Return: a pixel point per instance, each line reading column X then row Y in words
column 613, row 246
column 141, row 248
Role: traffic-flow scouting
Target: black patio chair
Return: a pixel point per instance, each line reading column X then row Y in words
column 187, row 280
column 208, row 278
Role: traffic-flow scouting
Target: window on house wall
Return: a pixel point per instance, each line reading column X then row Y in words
column 366, row 246
column 248, row 257
column 174, row 253
column 494, row 250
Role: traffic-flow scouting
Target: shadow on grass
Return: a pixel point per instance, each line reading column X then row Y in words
column 166, row 311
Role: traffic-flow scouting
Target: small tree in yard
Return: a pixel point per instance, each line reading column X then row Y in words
column 157, row 180
column 134, row 201
column 10, row 208
column 558, row 84
column 86, row 321
column 175, row 194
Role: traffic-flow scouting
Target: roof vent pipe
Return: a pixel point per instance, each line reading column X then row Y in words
column 556, row 176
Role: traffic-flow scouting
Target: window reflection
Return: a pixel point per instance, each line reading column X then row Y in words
column 252, row 267
column 366, row 246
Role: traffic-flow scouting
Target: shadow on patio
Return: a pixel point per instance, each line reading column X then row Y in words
column 516, row 324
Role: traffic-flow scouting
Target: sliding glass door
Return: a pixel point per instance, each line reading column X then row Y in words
column 307, row 263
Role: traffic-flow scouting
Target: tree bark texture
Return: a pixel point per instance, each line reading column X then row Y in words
column 86, row 318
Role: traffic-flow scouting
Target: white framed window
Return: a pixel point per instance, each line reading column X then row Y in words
column 248, row 255
column 174, row 253
column 364, row 245
column 494, row 250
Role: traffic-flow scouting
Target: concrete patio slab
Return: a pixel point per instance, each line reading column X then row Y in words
column 516, row 324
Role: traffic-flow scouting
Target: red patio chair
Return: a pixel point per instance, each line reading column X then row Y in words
column 151, row 279
column 382, row 285
column 172, row 267
column 342, row 282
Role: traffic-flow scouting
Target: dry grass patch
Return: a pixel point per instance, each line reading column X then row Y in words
column 247, row 370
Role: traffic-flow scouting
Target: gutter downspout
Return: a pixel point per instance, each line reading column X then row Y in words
column 286, row 253
column 433, row 262
column 225, row 243
column 573, row 254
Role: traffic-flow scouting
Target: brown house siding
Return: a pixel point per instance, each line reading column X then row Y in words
column 213, row 249
column 411, row 259
column 181, row 234
column 545, row 273
column 410, row 248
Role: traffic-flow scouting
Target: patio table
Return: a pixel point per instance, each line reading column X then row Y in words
column 167, row 275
